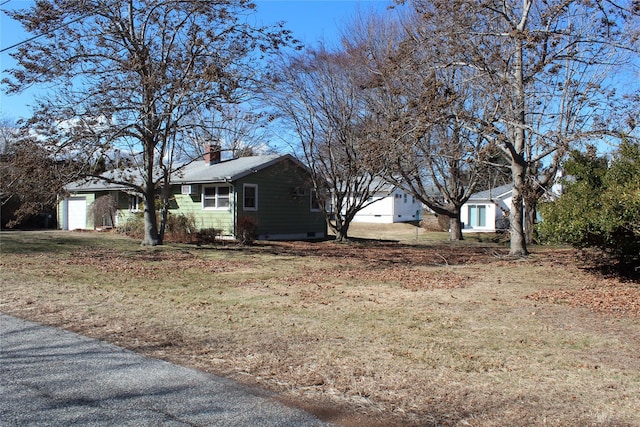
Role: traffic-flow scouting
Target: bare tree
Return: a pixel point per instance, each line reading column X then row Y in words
column 546, row 68
column 8, row 134
column 317, row 95
column 421, row 137
column 30, row 177
column 238, row 131
column 137, row 75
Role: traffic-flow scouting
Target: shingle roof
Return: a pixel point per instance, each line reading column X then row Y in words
column 95, row 184
column 225, row 171
column 493, row 193
column 197, row 172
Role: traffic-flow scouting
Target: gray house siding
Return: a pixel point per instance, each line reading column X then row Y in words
column 283, row 203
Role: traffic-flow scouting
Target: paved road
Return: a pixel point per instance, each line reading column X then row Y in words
column 50, row 377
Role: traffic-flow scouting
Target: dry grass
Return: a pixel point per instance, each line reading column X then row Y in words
column 407, row 333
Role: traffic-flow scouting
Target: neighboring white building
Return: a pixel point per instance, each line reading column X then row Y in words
column 390, row 205
column 487, row 211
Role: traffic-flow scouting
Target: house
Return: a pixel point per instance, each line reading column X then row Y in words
column 389, row 205
column 487, row 211
column 274, row 190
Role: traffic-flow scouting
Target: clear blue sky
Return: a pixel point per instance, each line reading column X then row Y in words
column 310, row 21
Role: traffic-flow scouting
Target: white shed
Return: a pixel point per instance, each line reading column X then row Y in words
column 487, row 211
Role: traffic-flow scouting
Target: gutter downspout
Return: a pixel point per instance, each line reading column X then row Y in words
column 234, row 207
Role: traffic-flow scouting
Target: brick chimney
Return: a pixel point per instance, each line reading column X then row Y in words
column 212, row 154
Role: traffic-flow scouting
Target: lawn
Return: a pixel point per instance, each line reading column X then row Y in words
column 397, row 328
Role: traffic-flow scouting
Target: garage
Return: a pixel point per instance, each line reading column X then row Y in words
column 77, row 213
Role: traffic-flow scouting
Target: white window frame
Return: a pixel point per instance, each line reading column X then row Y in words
column 244, row 197
column 217, row 198
column 134, row 203
column 478, row 217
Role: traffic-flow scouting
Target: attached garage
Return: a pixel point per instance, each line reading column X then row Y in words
column 76, row 217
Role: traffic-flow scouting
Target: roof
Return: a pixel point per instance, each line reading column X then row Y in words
column 493, row 193
column 197, row 172
column 386, row 187
column 96, row 184
column 200, row 171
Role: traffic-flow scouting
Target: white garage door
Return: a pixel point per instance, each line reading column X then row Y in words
column 77, row 213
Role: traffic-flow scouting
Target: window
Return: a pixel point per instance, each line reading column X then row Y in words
column 250, row 192
column 315, row 201
column 134, row 203
column 215, row 197
column 477, row 215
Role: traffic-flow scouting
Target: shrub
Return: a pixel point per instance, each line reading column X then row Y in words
column 207, row 235
column 180, row 228
column 600, row 207
column 133, row 226
column 247, row 230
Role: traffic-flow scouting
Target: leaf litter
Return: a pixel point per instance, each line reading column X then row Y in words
column 377, row 333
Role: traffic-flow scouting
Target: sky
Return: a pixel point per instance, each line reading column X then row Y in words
column 310, row 21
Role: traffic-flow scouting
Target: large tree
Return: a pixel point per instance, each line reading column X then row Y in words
column 138, row 76
column 421, row 136
column 546, row 70
column 317, row 95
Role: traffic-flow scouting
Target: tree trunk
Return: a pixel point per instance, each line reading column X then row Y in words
column 342, row 230
column 150, row 221
column 530, row 220
column 518, row 243
column 164, row 214
column 455, row 227
column 340, row 226
column 341, row 235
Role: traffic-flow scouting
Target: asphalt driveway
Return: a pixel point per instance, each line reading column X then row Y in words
column 50, row 377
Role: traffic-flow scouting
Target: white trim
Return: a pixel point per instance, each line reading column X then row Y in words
column 134, row 203
column 244, row 190
column 216, row 198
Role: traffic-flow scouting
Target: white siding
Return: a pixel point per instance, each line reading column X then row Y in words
column 380, row 211
column 495, row 210
column 390, row 208
column 407, row 208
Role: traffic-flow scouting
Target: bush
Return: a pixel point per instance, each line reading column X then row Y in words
column 247, row 230
column 207, row 235
column 600, row 207
column 180, row 228
column 133, row 226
